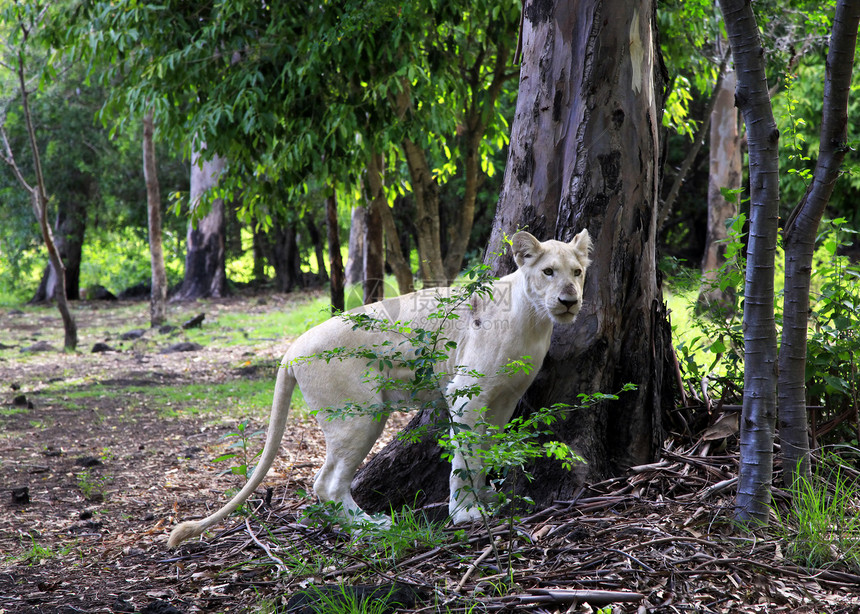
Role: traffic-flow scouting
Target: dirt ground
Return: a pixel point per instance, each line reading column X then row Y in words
column 106, row 478
column 89, row 490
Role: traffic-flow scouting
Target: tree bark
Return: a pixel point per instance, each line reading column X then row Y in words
column 725, row 172
column 584, row 154
column 158, row 294
column 282, row 252
column 354, row 270
column 758, row 417
column 335, row 259
column 374, row 274
column 426, row 192
column 205, row 255
column 800, row 232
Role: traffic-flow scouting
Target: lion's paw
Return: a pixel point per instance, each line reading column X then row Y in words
column 362, row 523
column 464, row 515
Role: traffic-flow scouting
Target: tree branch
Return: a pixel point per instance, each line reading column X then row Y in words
column 9, row 158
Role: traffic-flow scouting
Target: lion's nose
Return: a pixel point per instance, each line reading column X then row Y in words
column 568, row 302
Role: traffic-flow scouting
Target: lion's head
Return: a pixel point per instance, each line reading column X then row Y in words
column 554, row 272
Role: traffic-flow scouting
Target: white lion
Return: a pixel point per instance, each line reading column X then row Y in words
column 512, row 322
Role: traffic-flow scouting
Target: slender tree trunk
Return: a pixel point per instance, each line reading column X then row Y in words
column 205, row 256
column 319, row 247
column 335, row 259
column 758, row 417
column 584, row 154
column 374, row 273
column 426, row 192
column 39, row 201
column 800, row 232
column 158, row 295
column 725, row 172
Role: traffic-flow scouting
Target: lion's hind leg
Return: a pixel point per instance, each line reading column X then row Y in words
column 349, row 440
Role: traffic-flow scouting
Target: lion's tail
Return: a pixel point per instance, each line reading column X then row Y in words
column 284, row 386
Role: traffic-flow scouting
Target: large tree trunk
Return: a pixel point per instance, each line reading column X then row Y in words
column 758, row 417
column 205, row 256
column 158, row 295
column 725, row 172
column 584, row 154
column 800, row 233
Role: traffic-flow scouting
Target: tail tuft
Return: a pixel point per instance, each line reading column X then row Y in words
column 183, row 531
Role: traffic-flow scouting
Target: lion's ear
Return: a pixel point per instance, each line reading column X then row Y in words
column 582, row 245
column 526, row 247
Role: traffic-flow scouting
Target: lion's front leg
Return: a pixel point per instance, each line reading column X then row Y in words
column 469, row 492
column 468, row 481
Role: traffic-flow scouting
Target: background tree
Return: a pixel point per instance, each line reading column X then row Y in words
column 205, row 274
column 760, row 353
column 25, row 22
column 725, row 173
column 158, row 294
column 800, row 233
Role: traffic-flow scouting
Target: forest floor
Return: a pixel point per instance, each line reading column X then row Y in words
column 102, row 453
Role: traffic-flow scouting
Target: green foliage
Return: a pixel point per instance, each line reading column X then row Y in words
column 93, row 486
column 296, row 95
column 347, row 601
column 711, row 349
column 688, row 31
column 821, row 526
column 800, row 163
column 710, row 346
column 120, row 259
column 834, row 341
column 798, row 108
column 241, row 444
column 37, row 554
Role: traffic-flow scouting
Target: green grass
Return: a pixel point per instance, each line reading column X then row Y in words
column 822, row 527
column 235, row 398
column 37, row 553
column 230, row 329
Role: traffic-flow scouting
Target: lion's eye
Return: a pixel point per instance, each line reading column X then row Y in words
column 577, row 272
column 548, row 272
